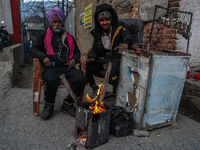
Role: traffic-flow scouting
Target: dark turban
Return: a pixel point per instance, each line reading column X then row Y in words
column 55, row 12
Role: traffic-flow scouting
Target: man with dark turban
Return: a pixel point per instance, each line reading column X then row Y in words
column 58, row 51
column 110, row 39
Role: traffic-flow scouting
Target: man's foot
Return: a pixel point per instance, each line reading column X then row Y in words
column 69, row 109
column 47, row 112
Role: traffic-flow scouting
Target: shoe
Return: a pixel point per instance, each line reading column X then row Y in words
column 47, row 112
column 95, row 89
column 69, row 109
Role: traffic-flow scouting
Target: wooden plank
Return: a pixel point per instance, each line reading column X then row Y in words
column 105, row 83
column 83, row 69
column 66, row 84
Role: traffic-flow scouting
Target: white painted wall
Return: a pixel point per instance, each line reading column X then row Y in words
column 6, row 15
column 70, row 22
column 194, row 45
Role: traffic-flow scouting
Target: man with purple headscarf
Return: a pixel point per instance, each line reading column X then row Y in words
column 58, row 51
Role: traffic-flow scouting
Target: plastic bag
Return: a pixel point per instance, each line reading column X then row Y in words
column 121, row 122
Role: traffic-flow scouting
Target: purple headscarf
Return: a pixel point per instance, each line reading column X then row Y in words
column 55, row 12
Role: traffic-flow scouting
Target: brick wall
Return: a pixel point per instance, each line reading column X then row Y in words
column 168, row 38
column 162, row 37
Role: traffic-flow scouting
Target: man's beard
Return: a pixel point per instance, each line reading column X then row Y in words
column 57, row 29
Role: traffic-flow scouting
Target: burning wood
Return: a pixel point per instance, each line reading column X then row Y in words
column 93, row 118
column 97, row 95
column 81, row 140
column 94, row 106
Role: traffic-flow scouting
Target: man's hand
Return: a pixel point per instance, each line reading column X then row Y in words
column 89, row 61
column 71, row 63
column 121, row 47
column 46, row 62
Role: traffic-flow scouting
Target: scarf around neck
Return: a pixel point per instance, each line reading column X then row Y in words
column 49, row 47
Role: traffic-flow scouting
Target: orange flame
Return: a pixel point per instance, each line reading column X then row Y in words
column 82, row 137
column 97, row 95
column 96, row 109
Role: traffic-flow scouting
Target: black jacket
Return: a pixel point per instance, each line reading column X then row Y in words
column 119, row 34
column 38, row 50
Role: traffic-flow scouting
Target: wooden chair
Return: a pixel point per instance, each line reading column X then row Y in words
column 38, row 83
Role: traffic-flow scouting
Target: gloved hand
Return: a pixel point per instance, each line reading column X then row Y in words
column 89, row 61
column 46, row 62
column 121, row 47
column 71, row 63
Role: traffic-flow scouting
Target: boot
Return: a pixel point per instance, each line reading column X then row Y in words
column 95, row 89
column 47, row 112
column 69, row 109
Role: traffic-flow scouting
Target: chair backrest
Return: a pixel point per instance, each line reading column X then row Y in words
column 136, row 27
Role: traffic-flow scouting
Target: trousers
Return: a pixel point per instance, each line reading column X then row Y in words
column 51, row 77
column 97, row 69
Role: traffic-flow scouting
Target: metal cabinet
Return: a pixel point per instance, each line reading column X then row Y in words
column 150, row 86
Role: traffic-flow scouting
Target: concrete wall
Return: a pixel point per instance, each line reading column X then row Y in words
column 13, row 57
column 6, row 15
column 194, row 44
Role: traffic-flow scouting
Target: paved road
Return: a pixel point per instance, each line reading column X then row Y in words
column 19, row 129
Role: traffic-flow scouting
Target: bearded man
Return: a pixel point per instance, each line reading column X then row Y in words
column 58, row 51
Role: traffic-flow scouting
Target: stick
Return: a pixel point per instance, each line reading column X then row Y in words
column 66, row 83
column 105, row 83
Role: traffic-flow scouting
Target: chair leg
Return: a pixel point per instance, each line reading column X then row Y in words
column 36, row 99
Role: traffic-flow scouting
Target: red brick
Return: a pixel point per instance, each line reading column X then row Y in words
column 161, row 41
column 154, row 41
column 171, row 46
column 146, row 35
column 161, row 32
column 172, row 36
column 174, row 4
column 169, row 31
column 147, row 28
column 155, row 31
column 170, row 41
column 160, row 27
column 161, row 46
column 160, row 36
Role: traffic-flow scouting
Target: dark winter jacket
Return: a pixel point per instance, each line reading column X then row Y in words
column 119, row 34
column 38, row 50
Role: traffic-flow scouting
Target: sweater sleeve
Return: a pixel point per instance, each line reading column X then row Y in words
column 94, row 53
column 38, row 49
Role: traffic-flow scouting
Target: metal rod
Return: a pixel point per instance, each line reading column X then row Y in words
column 187, row 50
column 174, row 10
column 151, row 29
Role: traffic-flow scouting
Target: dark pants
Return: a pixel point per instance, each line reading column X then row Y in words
column 97, row 69
column 51, row 77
